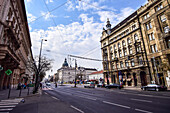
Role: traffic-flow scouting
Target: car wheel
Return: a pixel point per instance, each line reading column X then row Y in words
column 157, row 89
column 143, row 89
column 84, row 86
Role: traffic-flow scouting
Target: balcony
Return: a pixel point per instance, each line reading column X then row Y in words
column 8, row 56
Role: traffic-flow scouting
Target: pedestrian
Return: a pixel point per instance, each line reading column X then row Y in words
column 56, row 85
column 40, row 85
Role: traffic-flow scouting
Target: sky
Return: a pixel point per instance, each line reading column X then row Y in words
column 74, row 27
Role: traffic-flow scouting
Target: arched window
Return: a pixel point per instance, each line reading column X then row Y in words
column 115, row 47
column 118, row 45
column 136, row 37
column 128, row 40
column 123, row 43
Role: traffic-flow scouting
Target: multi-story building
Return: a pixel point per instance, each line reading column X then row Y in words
column 15, row 43
column 155, row 21
column 135, row 50
column 67, row 73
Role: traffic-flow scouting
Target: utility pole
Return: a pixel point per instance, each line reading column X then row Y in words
column 38, row 70
column 75, row 72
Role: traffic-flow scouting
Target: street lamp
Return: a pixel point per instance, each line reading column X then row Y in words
column 38, row 70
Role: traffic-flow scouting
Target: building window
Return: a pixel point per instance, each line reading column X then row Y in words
column 151, row 36
column 111, row 49
column 154, row 48
column 115, row 55
column 121, row 64
column 163, row 18
column 128, row 40
column 146, row 16
column 126, row 63
column 127, row 31
column 138, row 48
column 132, row 62
column 120, row 54
column 148, row 26
column 117, row 65
column 118, row 45
column 123, row 43
column 166, row 29
column 114, row 47
column 104, row 44
column 133, row 27
column 130, row 50
column 140, row 62
column 113, row 67
column 136, row 37
column 111, row 55
column 159, row 7
column 125, row 52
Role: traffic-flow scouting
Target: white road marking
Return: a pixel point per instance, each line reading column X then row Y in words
column 7, row 106
column 46, row 93
column 8, row 103
column 77, row 109
column 86, row 97
column 9, row 109
column 140, row 100
column 144, row 111
column 55, row 98
column 116, row 104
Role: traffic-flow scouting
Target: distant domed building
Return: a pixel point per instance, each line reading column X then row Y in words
column 65, row 64
column 67, row 73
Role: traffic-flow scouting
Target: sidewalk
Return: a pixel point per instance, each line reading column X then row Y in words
column 43, row 103
column 15, row 93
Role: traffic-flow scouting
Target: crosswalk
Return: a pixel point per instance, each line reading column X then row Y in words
column 9, row 104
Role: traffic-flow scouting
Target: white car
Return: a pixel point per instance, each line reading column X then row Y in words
column 89, row 85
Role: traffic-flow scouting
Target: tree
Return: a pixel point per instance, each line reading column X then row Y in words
column 44, row 65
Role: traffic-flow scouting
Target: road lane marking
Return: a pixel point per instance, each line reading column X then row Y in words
column 7, row 106
column 9, row 109
column 86, row 97
column 55, row 98
column 77, row 109
column 116, row 104
column 46, row 93
column 144, row 111
column 140, row 100
column 8, row 103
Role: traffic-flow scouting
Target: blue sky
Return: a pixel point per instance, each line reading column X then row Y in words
column 75, row 27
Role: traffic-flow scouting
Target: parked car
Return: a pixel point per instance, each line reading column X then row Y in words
column 154, row 87
column 114, row 86
column 101, row 85
column 89, row 85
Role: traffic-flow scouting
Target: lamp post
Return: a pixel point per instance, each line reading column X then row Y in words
column 38, row 70
column 75, row 73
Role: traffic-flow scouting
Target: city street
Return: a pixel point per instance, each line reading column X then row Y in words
column 101, row 100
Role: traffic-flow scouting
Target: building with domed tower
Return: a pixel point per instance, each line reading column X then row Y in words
column 67, row 74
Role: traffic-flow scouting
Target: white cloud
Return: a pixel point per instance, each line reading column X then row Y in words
column 47, row 15
column 30, row 17
column 28, row 0
column 74, row 38
column 49, row 1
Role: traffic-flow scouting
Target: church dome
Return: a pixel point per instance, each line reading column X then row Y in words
column 65, row 64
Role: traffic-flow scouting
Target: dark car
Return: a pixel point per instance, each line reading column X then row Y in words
column 101, row 85
column 154, row 87
column 118, row 86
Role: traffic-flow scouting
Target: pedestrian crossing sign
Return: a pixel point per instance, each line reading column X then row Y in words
column 8, row 72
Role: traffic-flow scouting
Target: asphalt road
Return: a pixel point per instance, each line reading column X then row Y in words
column 101, row 100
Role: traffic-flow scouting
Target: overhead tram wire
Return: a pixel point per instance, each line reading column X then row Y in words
column 50, row 11
column 61, row 36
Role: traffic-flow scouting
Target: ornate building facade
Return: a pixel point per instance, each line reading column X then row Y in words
column 130, row 49
column 15, row 43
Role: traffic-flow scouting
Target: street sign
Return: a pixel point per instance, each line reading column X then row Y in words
column 1, row 68
column 8, row 72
